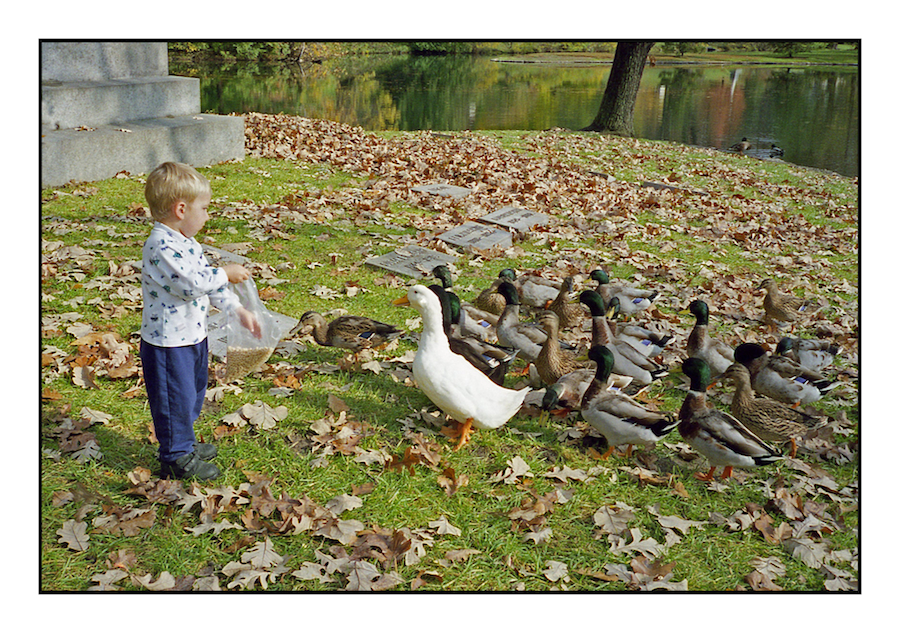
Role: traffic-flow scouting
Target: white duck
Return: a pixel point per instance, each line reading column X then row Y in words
column 453, row 384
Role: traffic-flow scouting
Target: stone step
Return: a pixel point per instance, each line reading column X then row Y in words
column 114, row 101
column 138, row 147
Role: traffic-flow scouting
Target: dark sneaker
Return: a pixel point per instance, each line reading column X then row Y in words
column 205, row 451
column 188, row 466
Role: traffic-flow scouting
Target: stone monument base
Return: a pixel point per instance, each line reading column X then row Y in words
column 138, row 146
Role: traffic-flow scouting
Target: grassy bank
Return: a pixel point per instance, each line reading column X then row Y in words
column 344, row 481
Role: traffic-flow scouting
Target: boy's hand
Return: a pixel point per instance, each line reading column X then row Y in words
column 249, row 321
column 236, row 273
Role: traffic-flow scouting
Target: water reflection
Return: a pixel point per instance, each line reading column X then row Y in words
column 811, row 112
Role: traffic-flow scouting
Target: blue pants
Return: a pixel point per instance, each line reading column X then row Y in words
column 176, row 379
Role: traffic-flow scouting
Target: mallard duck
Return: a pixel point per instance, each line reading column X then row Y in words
column 717, row 435
column 349, row 332
column 781, row 308
column 776, row 152
column 489, row 359
column 648, row 342
column 534, row 290
column 767, row 379
column 456, row 387
column 813, row 354
column 700, row 344
column 771, row 420
column 566, row 394
column 471, row 320
column 565, row 307
column 552, row 362
column 632, row 300
column 619, row 418
column 525, row 337
column 628, row 361
column 490, row 300
column 742, row 146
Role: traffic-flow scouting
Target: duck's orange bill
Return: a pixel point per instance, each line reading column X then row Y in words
column 401, row 301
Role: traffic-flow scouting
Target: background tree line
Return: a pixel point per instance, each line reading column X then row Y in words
column 278, row 51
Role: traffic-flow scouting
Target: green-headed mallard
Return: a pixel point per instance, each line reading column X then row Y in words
column 471, row 320
column 718, row 436
column 619, row 418
column 813, row 354
column 782, row 308
column 775, row 151
column 565, row 307
column 566, row 394
column 534, row 290
column 768, row 376
column 741, row 146
column 450, row 381
column 700, row 344
column 771, row 420
column 489, row 359
column 632, row 300
column 525, row 337
column 349, row 332
column 628, row 361
column 648, row 342
column 552, row 362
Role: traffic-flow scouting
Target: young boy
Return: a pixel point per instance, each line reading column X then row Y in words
column 179, row 285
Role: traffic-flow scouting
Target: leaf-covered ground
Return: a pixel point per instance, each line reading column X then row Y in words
column 337, row 474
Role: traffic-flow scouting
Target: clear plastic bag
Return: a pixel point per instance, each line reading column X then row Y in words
column 245, row 353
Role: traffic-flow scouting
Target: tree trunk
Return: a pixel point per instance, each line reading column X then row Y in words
column 616, row 115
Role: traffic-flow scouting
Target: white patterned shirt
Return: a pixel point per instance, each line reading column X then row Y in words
column 178, row 285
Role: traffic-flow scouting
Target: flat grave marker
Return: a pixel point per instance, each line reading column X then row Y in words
column 443, row 190
column 515, row 218
column 478, row 236
column 412, row 261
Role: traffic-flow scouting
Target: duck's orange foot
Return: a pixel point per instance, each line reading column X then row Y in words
column 726, row 473
column 465, row 433
column 607, row 453
column 793, row 452
column 708, row 476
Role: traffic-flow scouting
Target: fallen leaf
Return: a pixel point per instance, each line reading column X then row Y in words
column 74, row 535
column 342, row 503
column 443, row 526
column 613, row 519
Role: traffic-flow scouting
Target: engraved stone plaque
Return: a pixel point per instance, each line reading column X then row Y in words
column 477, row 236
column 515, row 218
column 412, row 261
column 443, row 190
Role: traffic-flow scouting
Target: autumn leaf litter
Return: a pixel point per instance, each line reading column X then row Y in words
column 592, row 220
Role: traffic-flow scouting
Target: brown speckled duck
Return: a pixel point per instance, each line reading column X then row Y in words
column 782, row 308
column 771, row 420
column 348, row 332
column 565, row 306
column 552, row 362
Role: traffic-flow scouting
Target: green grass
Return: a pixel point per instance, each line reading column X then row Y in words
column 327, row 249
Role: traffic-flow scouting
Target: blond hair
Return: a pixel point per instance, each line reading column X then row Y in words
column 171, row 183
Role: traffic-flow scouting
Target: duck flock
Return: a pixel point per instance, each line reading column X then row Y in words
column 467, row 349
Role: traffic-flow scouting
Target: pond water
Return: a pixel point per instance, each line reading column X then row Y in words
column 811, row 112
